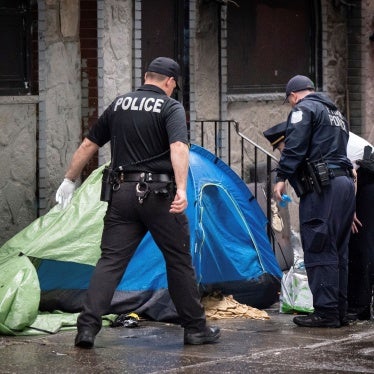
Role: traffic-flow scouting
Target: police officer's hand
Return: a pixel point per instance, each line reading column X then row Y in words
column 180, row 202
column 65, row 192
column 279, row 190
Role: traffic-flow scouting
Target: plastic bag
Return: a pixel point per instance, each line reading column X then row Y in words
column 296, row 296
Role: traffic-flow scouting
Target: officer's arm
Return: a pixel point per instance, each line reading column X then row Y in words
column 179, row 154
column 80, row 158
column 297, row 141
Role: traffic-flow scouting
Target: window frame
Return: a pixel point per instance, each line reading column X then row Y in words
column 239, row 80
column 22, row 80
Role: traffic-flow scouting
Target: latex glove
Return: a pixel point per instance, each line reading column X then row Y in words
column 65, row 192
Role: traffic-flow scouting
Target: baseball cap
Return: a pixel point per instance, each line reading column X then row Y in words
column 276, row 134
column 298, row 83
column 165, row 66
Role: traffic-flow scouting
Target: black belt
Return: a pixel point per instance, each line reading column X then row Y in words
column 340, row 172
column 144, row 177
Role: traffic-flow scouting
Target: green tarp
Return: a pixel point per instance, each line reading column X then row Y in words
column 72, row 234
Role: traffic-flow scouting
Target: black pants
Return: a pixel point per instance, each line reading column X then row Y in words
column 325, row 225
column 361, row 248
column 125, row 224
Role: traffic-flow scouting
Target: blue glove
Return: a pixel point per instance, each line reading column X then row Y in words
column 285, row 200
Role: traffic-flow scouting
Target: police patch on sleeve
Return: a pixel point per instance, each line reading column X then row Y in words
column 296, row 116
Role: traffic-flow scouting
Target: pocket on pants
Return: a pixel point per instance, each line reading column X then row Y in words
column 315, row 235
column 182, row 220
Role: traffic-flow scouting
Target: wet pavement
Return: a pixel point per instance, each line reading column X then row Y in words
column 276, row 345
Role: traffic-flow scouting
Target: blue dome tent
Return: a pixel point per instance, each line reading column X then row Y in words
column 229, row 245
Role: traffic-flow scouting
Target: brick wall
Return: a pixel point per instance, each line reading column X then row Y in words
column 88, row 41
column 354, row 67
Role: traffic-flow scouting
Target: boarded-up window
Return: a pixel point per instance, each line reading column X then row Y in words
column 269, row 41
column 18, row 45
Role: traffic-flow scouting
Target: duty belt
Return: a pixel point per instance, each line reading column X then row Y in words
column 144, row 177
column 339, row 172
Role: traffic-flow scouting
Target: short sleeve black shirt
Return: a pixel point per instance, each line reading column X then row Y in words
column 141, row 125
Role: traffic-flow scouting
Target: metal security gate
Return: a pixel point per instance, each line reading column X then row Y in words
column 249, row 160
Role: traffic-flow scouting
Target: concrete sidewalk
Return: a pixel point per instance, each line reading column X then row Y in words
column 246, row 346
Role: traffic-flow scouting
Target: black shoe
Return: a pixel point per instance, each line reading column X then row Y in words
column 365, row 315
column 85, row 339
column 361, row 314
column 314, row 320
column 352, row 317
column 344, row 321
column 209, row 335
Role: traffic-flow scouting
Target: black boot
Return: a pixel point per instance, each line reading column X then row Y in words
column 359, row 313
column 85, row 339
column 209, row 335
column 314, row 320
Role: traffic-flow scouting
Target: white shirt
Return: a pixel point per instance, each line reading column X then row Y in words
column 355, row 148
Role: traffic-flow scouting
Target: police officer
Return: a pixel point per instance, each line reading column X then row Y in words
column 315, row 148
column 361, row 243
column 148, row 135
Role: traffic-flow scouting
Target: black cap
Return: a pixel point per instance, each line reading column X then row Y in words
column 165, row 66
column 298, row 83
column 276, row 134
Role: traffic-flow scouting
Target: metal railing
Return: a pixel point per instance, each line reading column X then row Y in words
column 249, row 160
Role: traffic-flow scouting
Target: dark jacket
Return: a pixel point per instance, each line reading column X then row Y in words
column 316, row 130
